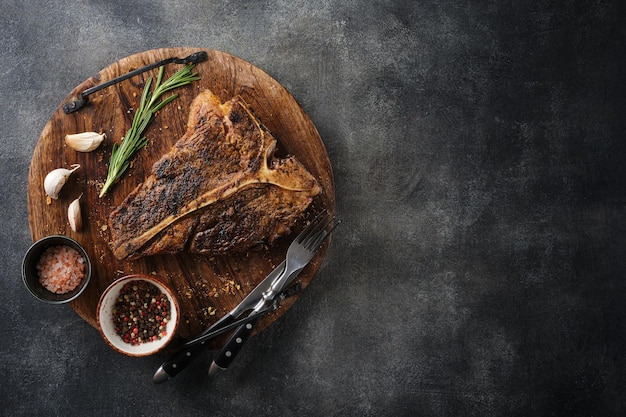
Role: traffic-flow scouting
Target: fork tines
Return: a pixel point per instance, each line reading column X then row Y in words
column 315, row 233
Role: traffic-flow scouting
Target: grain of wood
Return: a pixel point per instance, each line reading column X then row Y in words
column 207, row 287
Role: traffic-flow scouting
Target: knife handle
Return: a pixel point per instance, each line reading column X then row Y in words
column 227, row 354
column 177, row 362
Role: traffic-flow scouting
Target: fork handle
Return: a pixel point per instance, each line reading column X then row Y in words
column 176, row 363
column 233, row 346
column 227, row 354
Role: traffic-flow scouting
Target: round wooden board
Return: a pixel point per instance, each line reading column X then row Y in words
column 207, row 287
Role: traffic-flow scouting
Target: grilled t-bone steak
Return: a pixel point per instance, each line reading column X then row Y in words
column 220, row 188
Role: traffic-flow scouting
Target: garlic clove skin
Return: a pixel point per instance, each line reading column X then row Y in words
column 56, row 179
column 84, row 142
column 74, row 215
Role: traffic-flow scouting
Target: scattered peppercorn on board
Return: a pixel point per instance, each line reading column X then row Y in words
column 206, row 287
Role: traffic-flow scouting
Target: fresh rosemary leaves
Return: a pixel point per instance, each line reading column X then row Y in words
column 121, row 155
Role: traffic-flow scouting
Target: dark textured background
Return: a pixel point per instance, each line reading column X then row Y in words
column 479, row 157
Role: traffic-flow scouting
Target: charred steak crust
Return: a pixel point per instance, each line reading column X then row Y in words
column 220, row 188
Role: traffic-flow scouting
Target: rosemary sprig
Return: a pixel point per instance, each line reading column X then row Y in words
column 133, row 141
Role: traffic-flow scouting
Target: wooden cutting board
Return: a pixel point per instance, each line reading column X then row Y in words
column 207, row 287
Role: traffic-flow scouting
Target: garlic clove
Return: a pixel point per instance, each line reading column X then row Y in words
column 84, row 142
column 74, row 216
column 56, row 179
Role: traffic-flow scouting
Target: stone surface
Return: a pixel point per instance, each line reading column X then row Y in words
column 478, row 150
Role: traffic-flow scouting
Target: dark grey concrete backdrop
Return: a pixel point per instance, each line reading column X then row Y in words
column 479, row 157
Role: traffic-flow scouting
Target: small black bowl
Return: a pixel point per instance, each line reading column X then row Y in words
column 31, row 277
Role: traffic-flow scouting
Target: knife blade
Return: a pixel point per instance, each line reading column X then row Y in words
column 288, row 292
column 177, row 362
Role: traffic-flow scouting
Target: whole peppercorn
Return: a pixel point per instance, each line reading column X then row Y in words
column 140, row 313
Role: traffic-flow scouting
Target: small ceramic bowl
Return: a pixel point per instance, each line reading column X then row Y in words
column 104, row 317
column 30, row 276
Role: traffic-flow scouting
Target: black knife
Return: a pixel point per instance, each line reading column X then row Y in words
column 190, row 351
